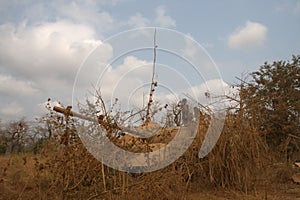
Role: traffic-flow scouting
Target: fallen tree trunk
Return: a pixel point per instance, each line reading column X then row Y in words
column 66, row 111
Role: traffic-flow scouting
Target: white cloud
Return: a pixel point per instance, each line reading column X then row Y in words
column 125, row 81
column 191, row 47
column 162, row 19
column 46, row 51
column 88, row 13
column 212, row 94
column 13, row 87
column 122, row 80
column 138, row 21
column 11, row 109
column 43, row 59
column 251, row 35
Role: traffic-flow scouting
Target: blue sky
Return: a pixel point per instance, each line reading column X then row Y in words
column 42, row 43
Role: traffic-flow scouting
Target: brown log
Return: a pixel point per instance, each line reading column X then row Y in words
column 72, row 113
column 66, row 111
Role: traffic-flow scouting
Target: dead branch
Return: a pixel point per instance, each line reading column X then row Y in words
column 153, row 84
column 96, row 120
column 72, row 113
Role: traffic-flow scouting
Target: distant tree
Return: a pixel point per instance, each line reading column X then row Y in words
column 272, row 101
column 3, row 139
column 16, row 133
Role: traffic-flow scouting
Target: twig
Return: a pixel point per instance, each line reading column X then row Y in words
column 80, row 181
column 23, row 190
column 243, row 81
column 103, row 175
column 294, row 136
column 132, row 115
column 199, row 104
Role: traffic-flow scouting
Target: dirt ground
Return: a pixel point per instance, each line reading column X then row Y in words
column 287, row 191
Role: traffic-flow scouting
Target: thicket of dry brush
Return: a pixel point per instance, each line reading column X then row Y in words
column 65, row 170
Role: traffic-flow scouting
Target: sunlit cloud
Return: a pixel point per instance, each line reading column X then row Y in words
column 253, row 34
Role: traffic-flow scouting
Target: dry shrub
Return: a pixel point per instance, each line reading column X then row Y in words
column 162, row 184
column 68, row 172
column 16, row 176
column 238, row 157
column 70, row 175
column 64, row 169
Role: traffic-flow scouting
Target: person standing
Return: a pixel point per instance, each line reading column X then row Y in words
column 185, row 111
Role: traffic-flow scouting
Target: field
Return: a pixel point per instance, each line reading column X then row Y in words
column 19, row 181
column 245, row 170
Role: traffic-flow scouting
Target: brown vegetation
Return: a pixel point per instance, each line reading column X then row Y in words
column 238, row 166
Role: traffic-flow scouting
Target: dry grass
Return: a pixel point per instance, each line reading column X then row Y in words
column 239, row 167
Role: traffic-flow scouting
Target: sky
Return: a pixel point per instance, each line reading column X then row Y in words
column 43, row 44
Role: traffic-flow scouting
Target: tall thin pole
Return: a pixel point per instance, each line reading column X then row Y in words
column 153, row 83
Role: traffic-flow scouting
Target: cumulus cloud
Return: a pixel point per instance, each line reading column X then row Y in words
column 212, row 93
column 162, row 19
column 42, row 60
column 251, row 35
column 121, row 81
column 14, row 87
column 50, row 50
column 88, row 13
column 138, row 21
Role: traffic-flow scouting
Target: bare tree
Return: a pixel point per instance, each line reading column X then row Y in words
column 16, row 132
